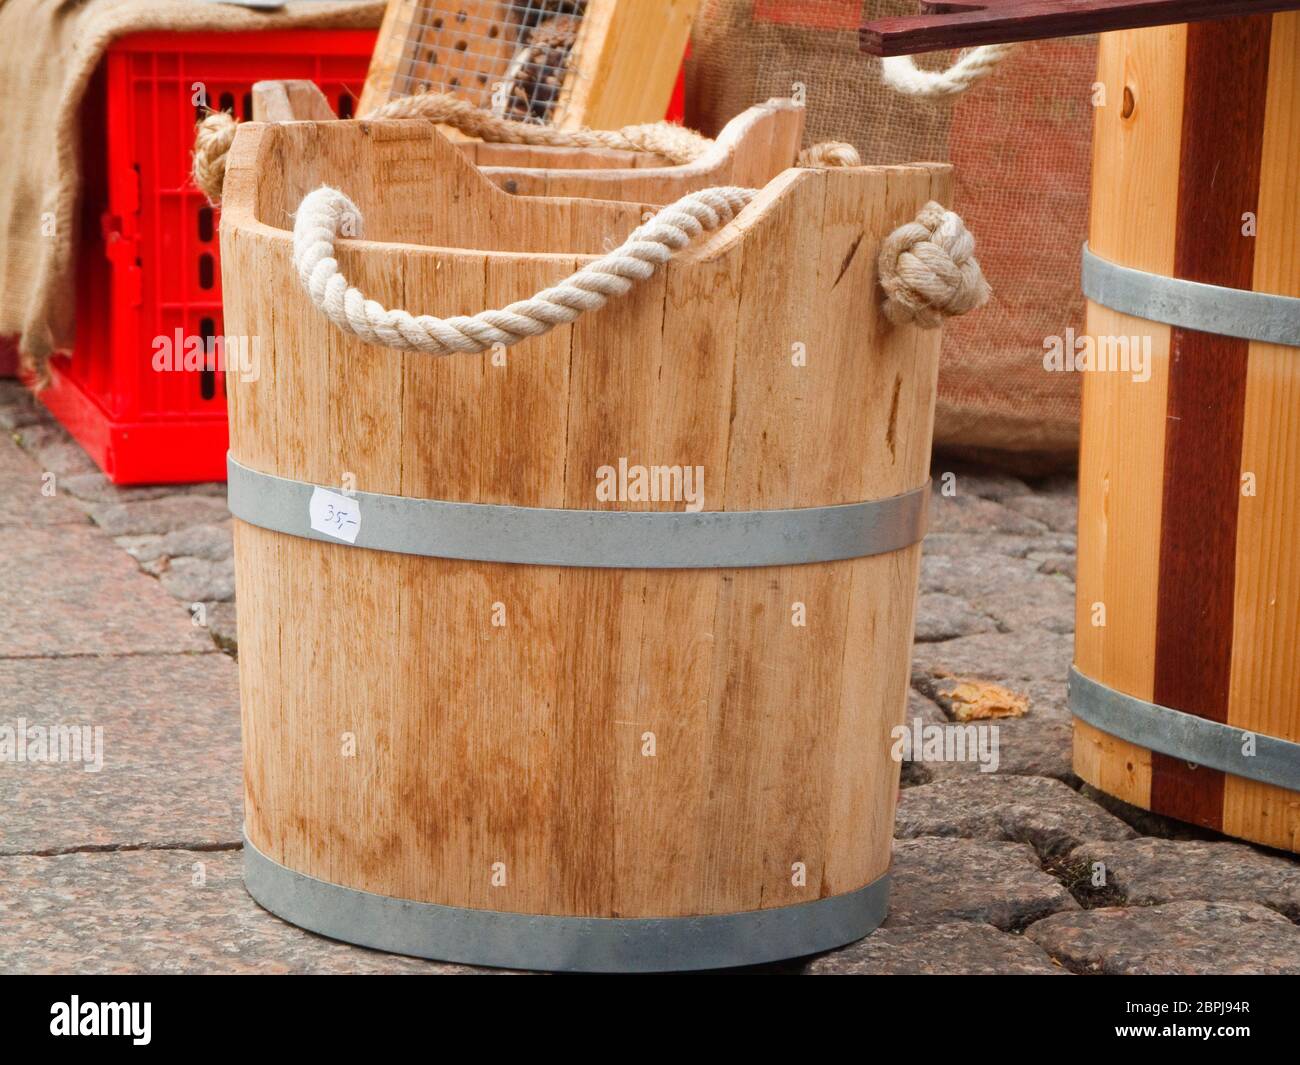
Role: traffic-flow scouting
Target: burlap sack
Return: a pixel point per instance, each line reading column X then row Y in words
column 48, row 51
column 1021, row 144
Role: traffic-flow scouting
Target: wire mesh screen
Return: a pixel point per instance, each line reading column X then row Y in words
column 516, row 58
column 1020, row 143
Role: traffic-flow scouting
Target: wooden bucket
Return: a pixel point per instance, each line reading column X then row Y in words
column 1187, row 650
column 647, row 761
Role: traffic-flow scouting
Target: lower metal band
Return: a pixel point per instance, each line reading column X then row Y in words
column 1231, row 312
column 577, row 944
column 619, row 539
column 1238, row 751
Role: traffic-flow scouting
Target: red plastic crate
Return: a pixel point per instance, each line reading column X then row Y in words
column 148, row 262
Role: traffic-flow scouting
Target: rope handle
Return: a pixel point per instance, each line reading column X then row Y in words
column 927, row 268
column 216, row 133
column 901, row 73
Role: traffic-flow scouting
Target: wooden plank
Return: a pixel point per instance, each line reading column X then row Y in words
column 664, row 735
column 294, row 100
column 966, row 23
column 897, row 370
column 621, row 67
column 628, row 63
column 1266, row 633
column 1225, row 88
column 392, row 50
column 1121, row 459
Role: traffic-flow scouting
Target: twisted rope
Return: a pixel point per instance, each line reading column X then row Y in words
column 212, row 140
column 924, row 284
column 326, row 210
column 677, row 144
column 900, row 72
column 829, row 153
column 929, row 271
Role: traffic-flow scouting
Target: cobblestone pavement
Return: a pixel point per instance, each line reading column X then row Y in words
column 137, row 868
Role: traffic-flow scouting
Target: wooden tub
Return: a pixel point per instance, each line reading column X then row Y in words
column 675, row 757
column 1187, row 650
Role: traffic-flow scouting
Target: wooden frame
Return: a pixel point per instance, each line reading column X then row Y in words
column 622, row 69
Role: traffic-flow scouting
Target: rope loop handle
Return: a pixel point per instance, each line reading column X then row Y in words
column 216, row 133
column 927, row 267
column 901, row 73
column 326, row 211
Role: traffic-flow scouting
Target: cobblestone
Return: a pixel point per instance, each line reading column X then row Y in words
column 987, row 865
column 958, row 948
column 157, row 516
column 1152, row 871
column 942, row 617
column 1036, row 810
column 938, row 880
column 195, row 580
column 1182, row 938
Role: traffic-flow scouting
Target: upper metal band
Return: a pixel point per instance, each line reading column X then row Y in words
column 540, row 536
column 1179, row 735
column 567, row 944
column 1232, row 312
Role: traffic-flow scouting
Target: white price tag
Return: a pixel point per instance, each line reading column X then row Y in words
column 335, row 514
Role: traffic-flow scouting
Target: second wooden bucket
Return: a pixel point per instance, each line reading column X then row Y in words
column 1187, row 653
column 624, row 732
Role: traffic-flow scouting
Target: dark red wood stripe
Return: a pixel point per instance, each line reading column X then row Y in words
column 1218, row 181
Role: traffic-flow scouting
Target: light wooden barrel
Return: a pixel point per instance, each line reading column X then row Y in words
column 592, row 765
column 1187, row 647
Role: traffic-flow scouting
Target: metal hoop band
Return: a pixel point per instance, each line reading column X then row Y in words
column 541, row 536
column 581, row 944
column 1231, row 312
column 1193, row 739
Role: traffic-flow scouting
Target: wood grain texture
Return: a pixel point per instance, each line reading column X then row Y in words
column 392, row 51
column 629, row 63
column 965, row 23
column 1266, row 634
column 1225, row 88
column 621, row 69
column 290, row 101
column 1226, row 623
column 750, row 150
column 1122, row 447
column 523, row 743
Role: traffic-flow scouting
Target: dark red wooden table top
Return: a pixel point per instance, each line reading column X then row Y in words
column 965, row 23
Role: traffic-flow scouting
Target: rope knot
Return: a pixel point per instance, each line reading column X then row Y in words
column 212, row 140
column 929, row 271
column 829, row 153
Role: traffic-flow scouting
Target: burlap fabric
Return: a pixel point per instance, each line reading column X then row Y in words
column 1021, row 145
column 48, row 51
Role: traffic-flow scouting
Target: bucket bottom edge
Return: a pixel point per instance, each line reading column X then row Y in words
column 501, row 939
